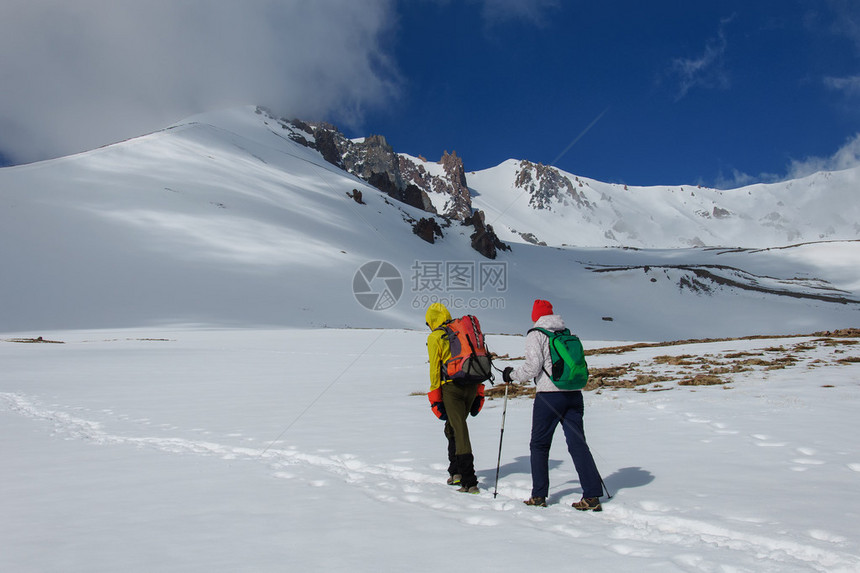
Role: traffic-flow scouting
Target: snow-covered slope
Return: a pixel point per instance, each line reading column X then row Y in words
column 225, row 220
column 218, row 219
column 169, row 449
column 157, row 438
column 528, row 202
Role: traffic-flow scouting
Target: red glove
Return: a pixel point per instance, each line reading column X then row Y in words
column 478, row 402
column 436, row 404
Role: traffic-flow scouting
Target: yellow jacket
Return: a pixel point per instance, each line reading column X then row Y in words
column 438, row 348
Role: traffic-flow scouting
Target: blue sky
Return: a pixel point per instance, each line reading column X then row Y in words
column 682, row 92
column 717, row 93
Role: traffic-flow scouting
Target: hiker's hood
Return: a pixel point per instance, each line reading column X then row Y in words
column 550, row 322
column 437, row 315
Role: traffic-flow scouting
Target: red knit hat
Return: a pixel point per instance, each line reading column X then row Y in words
column 541, row 308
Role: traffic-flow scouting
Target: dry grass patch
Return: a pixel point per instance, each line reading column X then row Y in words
column 680, row 360
column 702, row 380
column 664, row 372
column 625, row 376
column 832, row 341
column 755, row 362
column 515, row 389
column 736, row 355
column 730, row 369
column 779, row 363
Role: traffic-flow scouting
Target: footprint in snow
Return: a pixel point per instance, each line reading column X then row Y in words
column 808, row 462
column 764, row 443
column 481, row 520
column 654, row 506
column 804, row 464
column 822, row 535
column 569, row 531
column 626, row 550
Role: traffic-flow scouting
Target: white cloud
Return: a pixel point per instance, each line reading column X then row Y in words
column 76, row 75
column 850, row 85
column 738, row 179
column 846, row 157
column 707, row 70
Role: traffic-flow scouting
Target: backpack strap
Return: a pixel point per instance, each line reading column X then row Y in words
column 539, row 329
column 548, row 334
column 443, row 327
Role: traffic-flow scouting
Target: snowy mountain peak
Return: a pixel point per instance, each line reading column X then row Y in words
column 534, row 203
column 239, row 218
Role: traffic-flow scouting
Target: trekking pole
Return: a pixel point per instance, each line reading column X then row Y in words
column 603, row 483
column 501, row 436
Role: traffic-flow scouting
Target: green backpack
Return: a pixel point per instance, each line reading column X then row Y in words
column 569, row 370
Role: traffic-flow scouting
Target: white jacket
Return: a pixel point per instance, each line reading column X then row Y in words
column 538, row 360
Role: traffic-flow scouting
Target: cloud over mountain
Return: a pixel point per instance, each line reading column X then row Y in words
column 97, row 72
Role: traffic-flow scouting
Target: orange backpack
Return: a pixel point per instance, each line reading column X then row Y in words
column 470, row 361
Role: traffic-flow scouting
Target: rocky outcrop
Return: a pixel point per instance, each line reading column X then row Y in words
column 427, row 229
column 484, row 239
column 373, row 160
column 327, row 145
column 458, row 201
column 417, row 197
column 546, row 184
column 461, row 200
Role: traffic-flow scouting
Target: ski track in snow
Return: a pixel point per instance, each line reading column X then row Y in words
column 632, row 530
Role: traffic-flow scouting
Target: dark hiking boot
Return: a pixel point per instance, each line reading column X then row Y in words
column 454, row 479
column 469, row 489
column 536, row 501
column 588, row 504
column 466, row 469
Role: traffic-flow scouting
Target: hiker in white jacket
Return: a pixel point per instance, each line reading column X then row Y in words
column 538, row 361
column 551, row 406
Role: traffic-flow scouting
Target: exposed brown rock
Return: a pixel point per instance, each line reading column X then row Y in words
column 484, row 239
column 427, row 229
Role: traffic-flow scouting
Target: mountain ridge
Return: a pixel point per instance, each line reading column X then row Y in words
column 224, row 220
column 613, row 214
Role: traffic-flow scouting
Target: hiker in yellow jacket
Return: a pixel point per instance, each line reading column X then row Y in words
column 450, row 402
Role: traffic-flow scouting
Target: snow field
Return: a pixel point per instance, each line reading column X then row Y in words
column 223, row 450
